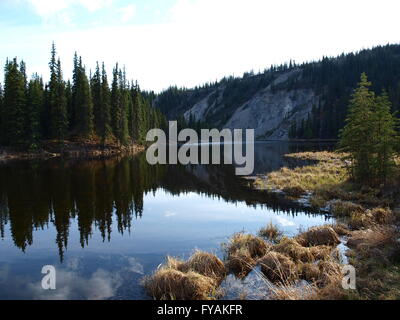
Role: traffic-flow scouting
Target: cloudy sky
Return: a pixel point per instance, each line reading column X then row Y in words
column 189, row 42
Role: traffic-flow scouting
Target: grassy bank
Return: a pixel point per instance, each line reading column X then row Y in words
column 309, row 265
column 369, row 217
column 304, row 267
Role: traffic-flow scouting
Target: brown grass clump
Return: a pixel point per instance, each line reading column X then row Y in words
column 309, row 272
column 368, row 218
column 240, row 263
column 171, row 284
column 256, row 246
column 206, row 264
column 271, row 233
column 344, row 208
column 278, row 268
column 324, row 175
column 289, row 292
column 381, row 215
column 376, row 237
column 341, row 229
column 360, row 220
column 242, row 252
column 330, row 273
column 174, row 263
column 322, row 252
column 317, row 156
column 293, row 249
column 324, row 235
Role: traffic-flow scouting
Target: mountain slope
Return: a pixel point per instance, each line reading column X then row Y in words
column 287, row 101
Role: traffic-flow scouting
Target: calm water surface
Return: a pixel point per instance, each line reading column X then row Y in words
column 104, row 224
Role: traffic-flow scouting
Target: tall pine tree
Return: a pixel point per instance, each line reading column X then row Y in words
column 14, row 105
column 57, row 102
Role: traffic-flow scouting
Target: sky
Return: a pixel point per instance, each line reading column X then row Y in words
column 190, row 42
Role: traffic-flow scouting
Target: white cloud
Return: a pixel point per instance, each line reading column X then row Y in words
column 169, row 214
column 127, row 13
column 46, row 8
column 204, row 40
column 284, row 222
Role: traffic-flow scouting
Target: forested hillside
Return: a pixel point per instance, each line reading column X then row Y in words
column 288, row 101
column 84, row 109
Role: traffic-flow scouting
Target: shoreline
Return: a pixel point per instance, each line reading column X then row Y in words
column 370, row 217
column 70, row 149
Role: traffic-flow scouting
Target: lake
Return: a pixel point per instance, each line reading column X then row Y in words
column 104, row 224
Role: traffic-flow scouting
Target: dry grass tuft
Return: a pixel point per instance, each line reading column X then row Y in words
column 256, row 246
column 341, row 229
column 309, row 272
column 317, row 156
column 242, row 253
column 271, row 233
column 171, row 284
column 240, row 263
column 344, row 208
column 330, row 273
column 206, row 264
column 323, row 252
column 323, row 235
column 289, row 292
column 381, row 215
column 278, row 268
column 379, row 236
column 294, row 250
column 174, row 263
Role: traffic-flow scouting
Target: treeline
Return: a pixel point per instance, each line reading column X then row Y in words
column 86, row 108
column 332, row 79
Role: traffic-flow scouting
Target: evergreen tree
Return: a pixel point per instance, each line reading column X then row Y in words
column 369, row 135
column 356, row 138
column 14, row 105
column 35, row 100
column 119, row 106
column 385, row 137
column 82, row 101
column 1, row 113
column 95, row 84
column 105, row 108
column 31, row 110
column 57, row 100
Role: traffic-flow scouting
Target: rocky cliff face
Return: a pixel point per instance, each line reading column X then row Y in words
column 270, row 111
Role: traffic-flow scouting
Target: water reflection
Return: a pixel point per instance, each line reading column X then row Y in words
column 119, row 217
column 34, row 195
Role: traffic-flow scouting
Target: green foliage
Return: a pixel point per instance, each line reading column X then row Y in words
column 35, row 99
column 57, row 101
column 31, row 111
column 369, row 135
column 82, row 102
column 14, row 104
column 332, row 79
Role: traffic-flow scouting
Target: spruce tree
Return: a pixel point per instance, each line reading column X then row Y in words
column 370, row 135
column 385, row 137
column 1, row 113
column 82, row 102
column 356, row 138
column 57, row 102
column 35, row 100
column 14, row 105
column 96, row 88
column 105, row 107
